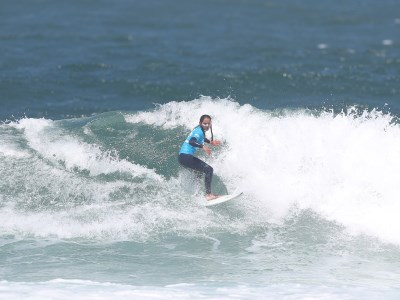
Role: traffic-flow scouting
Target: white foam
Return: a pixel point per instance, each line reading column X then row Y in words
column 61, row 289
column 387, row 42
column 9, row 146
column 322, row 46
column 344, row 167
column 139, row 215
column 10, row 150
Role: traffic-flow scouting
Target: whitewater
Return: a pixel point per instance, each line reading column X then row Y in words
column 105, row 193
column 342, row 166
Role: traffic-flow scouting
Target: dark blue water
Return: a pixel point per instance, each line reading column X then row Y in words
column 67, row 59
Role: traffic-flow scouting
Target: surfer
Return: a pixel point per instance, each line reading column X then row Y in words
column 189, row 147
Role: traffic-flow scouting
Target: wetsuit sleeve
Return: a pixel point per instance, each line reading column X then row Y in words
column 193, row 142
column 207, row 140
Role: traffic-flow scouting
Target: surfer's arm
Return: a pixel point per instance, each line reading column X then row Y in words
column 193, row 142
column 214, row 143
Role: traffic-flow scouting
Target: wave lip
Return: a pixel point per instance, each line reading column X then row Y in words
column 52, row 143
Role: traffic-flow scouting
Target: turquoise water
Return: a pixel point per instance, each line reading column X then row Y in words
column 97, row 97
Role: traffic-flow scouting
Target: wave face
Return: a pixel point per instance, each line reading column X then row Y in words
column 115, row 176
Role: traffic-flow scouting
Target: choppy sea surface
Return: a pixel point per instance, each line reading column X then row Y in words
column 96, row 98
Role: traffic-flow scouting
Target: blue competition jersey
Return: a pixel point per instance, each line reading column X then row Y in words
column 198, row 134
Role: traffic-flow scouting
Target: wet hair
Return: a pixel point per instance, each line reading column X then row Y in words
column 201, row 121
column 204, row 117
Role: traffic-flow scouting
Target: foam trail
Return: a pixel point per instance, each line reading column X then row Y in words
column 342, row 166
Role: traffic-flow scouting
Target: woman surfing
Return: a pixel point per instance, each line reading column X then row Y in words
column 194, row 141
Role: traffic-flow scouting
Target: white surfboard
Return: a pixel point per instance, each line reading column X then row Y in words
column 222, row 199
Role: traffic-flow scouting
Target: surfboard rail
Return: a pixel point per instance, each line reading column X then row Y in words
column 222, row 199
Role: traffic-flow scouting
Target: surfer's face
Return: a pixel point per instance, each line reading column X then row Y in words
column 205, row 124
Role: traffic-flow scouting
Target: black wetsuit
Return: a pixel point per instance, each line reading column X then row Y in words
column 194, row 163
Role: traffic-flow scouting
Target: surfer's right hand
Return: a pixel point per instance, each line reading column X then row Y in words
column 208, row 150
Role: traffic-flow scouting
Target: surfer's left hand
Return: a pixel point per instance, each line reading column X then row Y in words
column 215, row 143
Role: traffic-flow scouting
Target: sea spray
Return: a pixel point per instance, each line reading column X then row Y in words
column 341, row 165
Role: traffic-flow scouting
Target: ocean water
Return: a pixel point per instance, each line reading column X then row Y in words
column 96, row 98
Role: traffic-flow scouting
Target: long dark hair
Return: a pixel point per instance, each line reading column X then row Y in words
column 201, row 121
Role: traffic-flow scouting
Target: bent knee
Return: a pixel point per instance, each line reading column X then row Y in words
column 208, row 169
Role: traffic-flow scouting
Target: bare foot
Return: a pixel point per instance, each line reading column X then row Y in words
column 211, row 197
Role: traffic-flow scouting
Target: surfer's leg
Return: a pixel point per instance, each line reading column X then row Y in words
column 186, row 160
column 207, row 170
column 194, row 163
